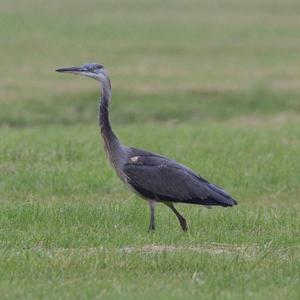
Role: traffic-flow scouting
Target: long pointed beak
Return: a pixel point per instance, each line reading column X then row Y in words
column 73, row 70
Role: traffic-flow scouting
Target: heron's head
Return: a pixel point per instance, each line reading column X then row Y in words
column 92, row 70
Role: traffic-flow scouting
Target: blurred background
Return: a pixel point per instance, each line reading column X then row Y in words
column 169, row 60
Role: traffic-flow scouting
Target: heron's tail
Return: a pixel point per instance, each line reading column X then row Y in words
column 212, row 201
column 216, row 197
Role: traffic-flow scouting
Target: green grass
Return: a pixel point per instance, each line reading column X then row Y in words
column 213, row 85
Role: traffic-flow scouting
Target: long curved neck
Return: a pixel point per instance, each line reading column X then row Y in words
column 113, row 147
column 104, row 121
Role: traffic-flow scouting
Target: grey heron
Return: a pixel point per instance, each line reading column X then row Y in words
column 153, row 177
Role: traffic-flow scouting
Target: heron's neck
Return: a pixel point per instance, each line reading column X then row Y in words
column 113, row 147
column 104, row 121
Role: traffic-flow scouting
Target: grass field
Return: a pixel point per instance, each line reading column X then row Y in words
column 214, row 85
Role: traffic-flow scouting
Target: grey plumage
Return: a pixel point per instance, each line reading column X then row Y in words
column 153, row 177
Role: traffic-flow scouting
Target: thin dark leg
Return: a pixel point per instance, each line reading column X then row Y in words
column 152, row 217
column 180, row 218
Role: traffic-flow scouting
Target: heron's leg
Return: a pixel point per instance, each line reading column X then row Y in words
column 152, row 218
column 180, row 218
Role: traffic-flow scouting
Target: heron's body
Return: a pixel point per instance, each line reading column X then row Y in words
column 153, row 177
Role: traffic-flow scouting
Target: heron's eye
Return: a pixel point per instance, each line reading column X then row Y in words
column 98, row 67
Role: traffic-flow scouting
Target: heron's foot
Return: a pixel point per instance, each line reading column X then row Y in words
column 151, row 228
column 183, row 224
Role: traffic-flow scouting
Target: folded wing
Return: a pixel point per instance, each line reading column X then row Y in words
column 156, row 177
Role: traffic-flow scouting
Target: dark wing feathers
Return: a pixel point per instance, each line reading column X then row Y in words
column 156, row 177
